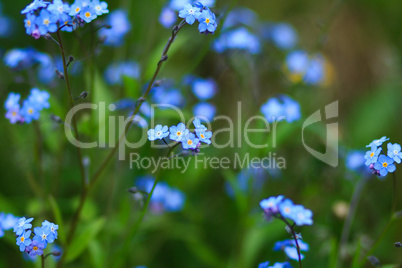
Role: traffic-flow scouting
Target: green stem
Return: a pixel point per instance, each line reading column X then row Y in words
column 395, row 194
column 43, row 261
column 291, row 227
column 70, row 95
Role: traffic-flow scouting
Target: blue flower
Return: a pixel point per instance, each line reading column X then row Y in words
column 12, row 100
column 289, row 247
column 174, row 200
column 271, row 204
column 205, row 110
column 204, row 136
column 167, row 17
column 159, row 133
column 47, row 22
column 302, row 216
column 30, row 23
column 36, row 4
column 291, row 252
column 40, row 98
column 240, row 39
column 58, row 7
column 394, row 151
column 385, row 164
column 273, row 110
column 43, row 235
column 177, row 4
column 204, row 89
column 284, row 36
column 115, row 72
column 281, row 265
column 88, row 14
column 120, row 26
column 22, row 225
column 207, row 22
column 189, row 13
column 291, row 108
column 190, row 141
column 263, row 264
column 378, row 142
column 177, row 133
column 315, row 72
column 53, row 228
column 7, row 221
column 372, row 155
column 13, row 114
column 355, row 160
column 197, row 124
column 23, row 240
column 75, row 8
column 287, row 209
column 297, row 62
column 99, row 7
column 29, row 111
column 35, row 248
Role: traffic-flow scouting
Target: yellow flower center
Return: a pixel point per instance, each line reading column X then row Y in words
column 372, row 154
column 22, row 239
column 178, row 133
column 395, row 152
column 35, row 248
column 14, row 113
column 77, row 9
column 46, row 22
column 29, row 23
column 189, row 142
column 202, row 136
column 287, row 210
column 385, row 164
column 30, row 111
column 87, row 14
column 207, row 20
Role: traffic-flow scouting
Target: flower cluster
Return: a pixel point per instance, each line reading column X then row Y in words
column 284, row 107
column 181, row 134
column 381, row 164
column 282, row 208
column 31, row 107
column 44, row 17
column 43, row 235
column 7, row 222
column 205, row 17
column 164, row 197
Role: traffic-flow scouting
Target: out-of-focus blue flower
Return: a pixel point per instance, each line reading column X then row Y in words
column 19, row 58
column 270, row 205
column 29, row 111
column 283, row 36
column 36, row 4
column 40, row 98
column 88, row 14
column 207, row 22
column 204, row 89
column 115, row 72
column 394, row 151
column 165, row 97
column 22, row 225
column 190, row 141
column 281, row 265
column 289, row 247
column 287, row 209
column 204, row 136
column 174, row 200
column 239, row 38
column 197, row 124
column 297, row 62
column 13, row 115
column 249, row 180
column 288, row 109
column 205, row 109
column 12, row 100
column 125, row 104
column 58, row 7
column 99, row 7
column 372, row 155
column 302, row 216
column 6, row 26
column 263, row 264
column 167, row 17
column 177, row 4
column 120, row 26
column 355, row 160
column 384, row 165
column 158, row 133
column 189, row 13
column 378, row 142
column 23, row 240
column 240, row 16
column 7, row 221
column 315, row 71
column 177, row 133
column 47, row 22
column 43, row 235
column 35, row 248
column 301, row 67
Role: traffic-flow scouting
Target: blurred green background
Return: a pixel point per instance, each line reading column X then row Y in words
column 361, row 40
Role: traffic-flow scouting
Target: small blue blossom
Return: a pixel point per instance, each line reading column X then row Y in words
column 47, row 22
column 240, row 39
column 58, row 7
column 22, row 225
column 384, row 165
column 204, row 89
column 273, row 110
column 205, row 110
column 12, row 100
column 207, row 22
column 263, row 264
column 7, row 221
column 30, row 23
column 35, row 248
column 281, row 265
column 394, row 151
column 270, row 205
column 302, row 216
column 174, row 200
column 315, row 73
column 177, row 4
column 197, row 124
column 13, row 115
column 120, row 26
column 167, row 17
column 378, row 142
column 115, row 72
column 40, row 98
column 287, row 209
column 355, row 160
column 43, row 235
column 36, row 4
column 75, row 8
column 159, row 133
column 53, row 229
column 88, row 14
column 177, row 133
column 284, row 36
column 297, row 62
column 190, row 141
column 289, row 247
column 291, row 109
column 189, row 13
column 23, row 240
column 204, row 136
column 372, row 155
column 29, row 111
column 99, row 7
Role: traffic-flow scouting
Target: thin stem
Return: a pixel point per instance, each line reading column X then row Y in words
column 165, row 142
column 295, row 238
column 70, row 95
column 43, row 261
column 395, row 194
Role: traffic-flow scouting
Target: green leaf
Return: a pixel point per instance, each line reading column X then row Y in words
column 83, row 238
column 97, row 254
column 58, row 218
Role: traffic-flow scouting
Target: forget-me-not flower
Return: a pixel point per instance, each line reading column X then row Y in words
column 22, row 225
column 190, row 141
column 384, row 165
column 394, row 151
column 189, row 13
column 158, row 133
column 372, row 155
column 378, row 142
column 177, row 133
column 23, row 240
